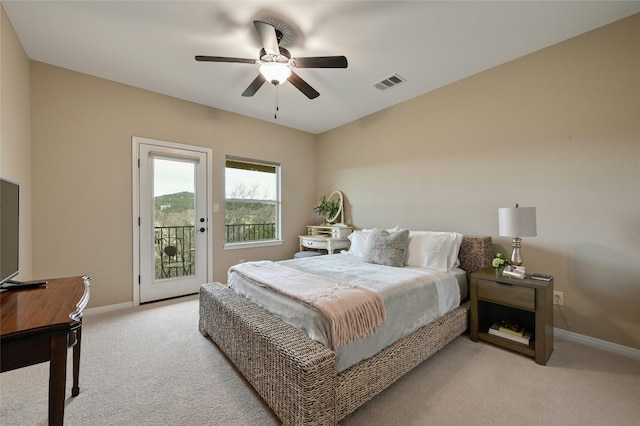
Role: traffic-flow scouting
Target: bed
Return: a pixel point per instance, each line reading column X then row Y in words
column 300, row 378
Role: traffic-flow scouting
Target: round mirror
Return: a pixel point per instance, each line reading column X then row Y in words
column 336, row 196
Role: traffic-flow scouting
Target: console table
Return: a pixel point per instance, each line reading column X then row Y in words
column 38, row 325
column 326, row 237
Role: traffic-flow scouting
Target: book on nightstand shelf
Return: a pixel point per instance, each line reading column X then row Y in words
column 511, row 328
column 511, row 332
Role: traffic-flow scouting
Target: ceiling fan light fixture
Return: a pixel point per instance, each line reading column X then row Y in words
column 276, row 63
column 275, row 72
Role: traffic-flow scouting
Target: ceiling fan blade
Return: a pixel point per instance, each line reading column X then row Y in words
column 254, row 86
column 224, row 59
column 321, row 62
column 267, row 34
column 303, row 86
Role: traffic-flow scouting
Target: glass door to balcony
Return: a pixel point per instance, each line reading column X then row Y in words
column 173, row 221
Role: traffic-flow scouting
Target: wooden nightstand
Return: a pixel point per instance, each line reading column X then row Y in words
column 528, row 302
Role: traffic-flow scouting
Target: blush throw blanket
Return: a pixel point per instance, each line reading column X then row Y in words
column 352, row 311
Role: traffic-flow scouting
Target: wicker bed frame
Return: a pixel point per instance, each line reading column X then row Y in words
column 296, row 376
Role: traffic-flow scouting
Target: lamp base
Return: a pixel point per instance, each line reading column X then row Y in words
column 516, row 257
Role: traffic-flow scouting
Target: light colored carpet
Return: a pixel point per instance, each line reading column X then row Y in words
column 150, row 366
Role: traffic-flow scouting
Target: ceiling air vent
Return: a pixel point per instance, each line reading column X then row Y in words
column 389, row 82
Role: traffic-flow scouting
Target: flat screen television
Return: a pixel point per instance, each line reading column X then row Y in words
column 9, row 229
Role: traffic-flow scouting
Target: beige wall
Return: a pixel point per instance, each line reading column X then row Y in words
column 15, row 131
column 82, row 129
column 558, row 129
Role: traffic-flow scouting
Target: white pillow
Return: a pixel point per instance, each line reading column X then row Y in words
column 358, row 242
column 434, row 250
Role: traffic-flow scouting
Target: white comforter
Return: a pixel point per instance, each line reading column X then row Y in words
column 413, row 297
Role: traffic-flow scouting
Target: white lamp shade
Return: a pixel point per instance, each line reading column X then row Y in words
column 517, row 221
column 275, row 72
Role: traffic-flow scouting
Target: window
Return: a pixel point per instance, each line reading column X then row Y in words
column 252, row 202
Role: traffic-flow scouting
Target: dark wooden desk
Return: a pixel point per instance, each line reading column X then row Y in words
column 38, row 325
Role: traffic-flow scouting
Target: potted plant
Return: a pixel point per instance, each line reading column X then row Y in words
column 327, row 208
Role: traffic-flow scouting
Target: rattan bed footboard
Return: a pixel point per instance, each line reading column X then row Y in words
column 296, row 376
column 368, row 378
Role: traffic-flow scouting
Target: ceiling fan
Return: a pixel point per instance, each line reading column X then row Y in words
column 276, row 63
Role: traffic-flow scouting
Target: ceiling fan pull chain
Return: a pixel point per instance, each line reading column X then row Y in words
column 275, row 115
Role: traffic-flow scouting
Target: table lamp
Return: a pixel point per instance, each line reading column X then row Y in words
column 516, row 222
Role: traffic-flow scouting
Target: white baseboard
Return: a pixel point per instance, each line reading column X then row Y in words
column 108, row 308
column 597, row 343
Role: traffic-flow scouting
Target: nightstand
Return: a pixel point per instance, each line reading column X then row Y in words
column 527, row 302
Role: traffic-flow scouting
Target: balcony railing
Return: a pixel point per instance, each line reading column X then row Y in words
column 250, row 232
column 175, row 251
column 175, row 245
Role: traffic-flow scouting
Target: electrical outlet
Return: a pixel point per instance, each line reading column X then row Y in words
column 558, row 298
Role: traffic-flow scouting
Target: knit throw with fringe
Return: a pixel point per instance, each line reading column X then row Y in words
column 352, row 311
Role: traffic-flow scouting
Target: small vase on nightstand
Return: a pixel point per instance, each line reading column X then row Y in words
column 499, row 271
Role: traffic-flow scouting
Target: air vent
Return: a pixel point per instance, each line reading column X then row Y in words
column 389, row 82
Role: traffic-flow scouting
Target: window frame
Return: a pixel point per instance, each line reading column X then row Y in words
column 277, row 203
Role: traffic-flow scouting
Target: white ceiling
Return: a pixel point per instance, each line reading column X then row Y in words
column 152, row 44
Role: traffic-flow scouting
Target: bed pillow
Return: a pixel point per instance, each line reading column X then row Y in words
column 434, row 250
column 387, row 248
column 359, row 241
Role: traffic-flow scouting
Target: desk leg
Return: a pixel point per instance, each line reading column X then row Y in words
column 75, row 390
column 57, row 379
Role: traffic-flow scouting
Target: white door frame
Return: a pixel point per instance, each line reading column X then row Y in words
column 135, row 146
